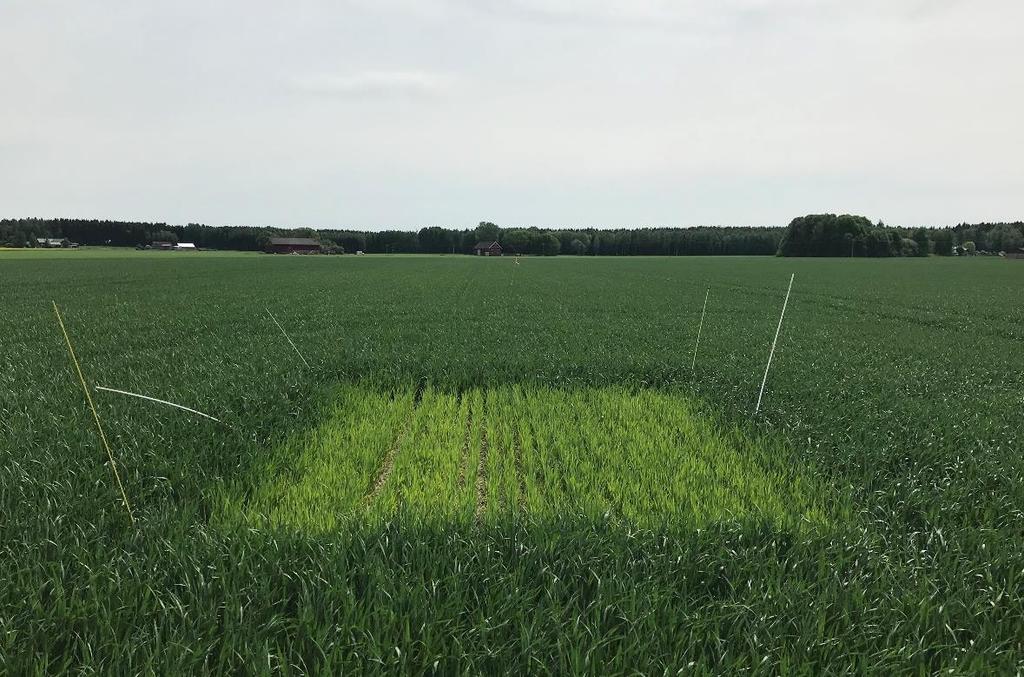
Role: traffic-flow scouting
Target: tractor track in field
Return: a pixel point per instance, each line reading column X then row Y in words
column 520, row 502
column 464, row 460
column 387, row 465
column 481, row 477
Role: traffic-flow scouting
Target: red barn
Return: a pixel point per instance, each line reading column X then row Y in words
column 293, row 245
column 487, row 249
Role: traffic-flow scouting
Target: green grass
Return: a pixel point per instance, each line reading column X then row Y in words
column 631, row 515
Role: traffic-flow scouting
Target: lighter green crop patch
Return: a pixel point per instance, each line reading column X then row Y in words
column 643, row 458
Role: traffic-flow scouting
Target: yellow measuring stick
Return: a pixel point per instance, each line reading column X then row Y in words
column 95, row 416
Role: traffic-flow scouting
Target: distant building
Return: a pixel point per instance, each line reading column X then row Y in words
column 53, row 242
column 166, row 246
column 1017, row 254
column 487, row 249
column 186, row 246
column 293, row 245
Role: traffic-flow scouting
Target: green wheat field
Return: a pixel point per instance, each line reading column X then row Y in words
column 498, row 468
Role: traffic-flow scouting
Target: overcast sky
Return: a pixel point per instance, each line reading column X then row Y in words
column 404, row 113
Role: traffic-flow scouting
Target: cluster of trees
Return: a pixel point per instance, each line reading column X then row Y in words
column 432, row 240
column 849, row 235
column 990, row 237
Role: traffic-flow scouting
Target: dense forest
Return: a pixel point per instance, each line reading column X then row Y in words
column 811, row 235
column 433, row 240
column 991, row 237
column 848, row 235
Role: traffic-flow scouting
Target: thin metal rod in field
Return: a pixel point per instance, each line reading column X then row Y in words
column 288, row 338
column 774, row 341
column 153, row 399
column 699, row 328
column 95, row 416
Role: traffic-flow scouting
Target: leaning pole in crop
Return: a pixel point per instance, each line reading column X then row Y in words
column 95, row 416
column 774, row 342
column 288, row 338
column 699, row 328
column 158, row 401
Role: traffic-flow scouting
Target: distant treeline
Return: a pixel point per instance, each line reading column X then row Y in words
column 812, row 235
column 991, row 237
column 434, row 240
column 848, row 235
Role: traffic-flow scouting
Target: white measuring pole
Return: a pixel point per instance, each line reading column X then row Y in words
column 776, row 340
column 153, row 399
column 699, row 328
column 287, row 337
